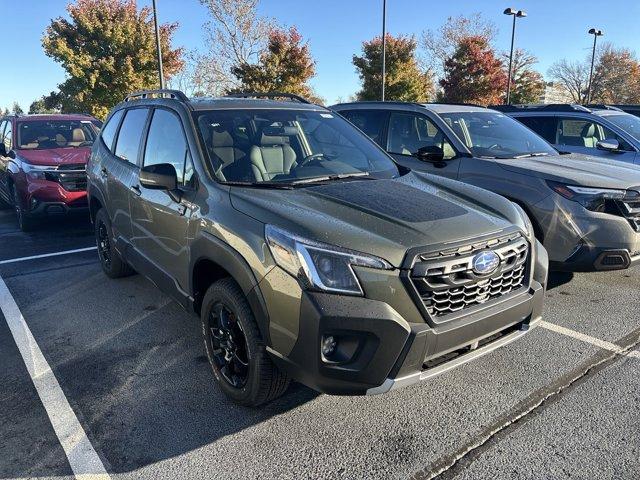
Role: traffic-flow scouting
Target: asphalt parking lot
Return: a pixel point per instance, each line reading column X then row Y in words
column 564, row 402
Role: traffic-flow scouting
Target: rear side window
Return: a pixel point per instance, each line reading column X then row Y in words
column 546, row 127
column 110, row 129
column 371, row 122
column 130, row 135
column 166, row 144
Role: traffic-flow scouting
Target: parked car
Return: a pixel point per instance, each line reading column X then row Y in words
column 632, row 109
column 585, row 210
column 42, row 164
column 600, row 130
column 306, row 252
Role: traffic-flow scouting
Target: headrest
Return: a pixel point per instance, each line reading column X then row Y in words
column 78, row 135
column 589, row 130
column 275, row 135
column 221, row 138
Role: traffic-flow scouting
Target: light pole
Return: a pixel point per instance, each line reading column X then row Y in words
column 158, row 48
column 596, row 33
column 516, row 14
column 384, row 45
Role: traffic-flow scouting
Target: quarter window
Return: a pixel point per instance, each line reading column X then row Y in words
column 130, row 134
column 409, row 132
column 166, row 144
column 110, row 129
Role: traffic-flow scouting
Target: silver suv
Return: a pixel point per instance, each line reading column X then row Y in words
column 600, row 130
column 585, row 210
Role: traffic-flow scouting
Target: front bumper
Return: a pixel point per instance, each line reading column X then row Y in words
column 382, row 351
column 42, row 198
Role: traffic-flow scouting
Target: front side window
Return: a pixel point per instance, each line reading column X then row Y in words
column 282, row 145
column 409, row 132
column 7, row 136
column 166, row 143
column 130, row 134
column 495, row 135
column 371, row 122
column 110, row 129
column 586, row 133
column 47, row 134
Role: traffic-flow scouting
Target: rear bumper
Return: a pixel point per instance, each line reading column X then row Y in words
column 381, row 351
column 592, row 259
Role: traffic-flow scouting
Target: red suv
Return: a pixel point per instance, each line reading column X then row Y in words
column 43, row 164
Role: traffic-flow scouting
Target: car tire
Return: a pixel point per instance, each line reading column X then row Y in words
column 25, row 223
column 235, row 349
column 110, row 260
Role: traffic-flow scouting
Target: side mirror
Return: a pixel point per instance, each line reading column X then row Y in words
column 430, row 154
column 608, row 145
column 161, row 176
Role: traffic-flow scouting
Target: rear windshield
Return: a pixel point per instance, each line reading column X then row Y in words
column 270, row 145
column 46, row 134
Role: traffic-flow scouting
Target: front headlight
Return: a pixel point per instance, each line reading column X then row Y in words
column 319, row 266
column 36, row 172
column 594, row 199
column 529, row 232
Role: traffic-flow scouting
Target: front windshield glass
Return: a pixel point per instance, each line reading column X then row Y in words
column 264, row 146
column 628, row 123
column 47, row 134
column 494, row 135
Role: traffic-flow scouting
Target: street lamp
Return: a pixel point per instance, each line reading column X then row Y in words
column 516, row 14
column 158, row 48
column 384, row 45
column 596, row 33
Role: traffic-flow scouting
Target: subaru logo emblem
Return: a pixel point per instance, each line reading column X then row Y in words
column 485, row 263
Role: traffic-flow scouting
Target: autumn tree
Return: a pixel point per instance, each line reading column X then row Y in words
column 405, row 79
column 236, row 36
column 527, row 85
column 616, row 77
column 285, row 65
column 441, row 44
column 107, row 48
column 473, row 74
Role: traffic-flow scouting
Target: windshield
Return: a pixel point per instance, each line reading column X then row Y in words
column 46, row 134
column 268, row 146
column 494, row 135
column 628, row 123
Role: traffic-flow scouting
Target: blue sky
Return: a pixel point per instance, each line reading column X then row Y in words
column 335, row 30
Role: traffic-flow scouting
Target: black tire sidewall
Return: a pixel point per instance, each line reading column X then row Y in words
column 102, row 218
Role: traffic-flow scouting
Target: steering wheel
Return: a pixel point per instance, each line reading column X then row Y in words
column 311, row 158
column 496, row 146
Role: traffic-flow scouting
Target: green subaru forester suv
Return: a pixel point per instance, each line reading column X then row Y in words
column 306, row 251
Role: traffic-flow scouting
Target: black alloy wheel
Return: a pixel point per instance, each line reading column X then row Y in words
column 228, row 346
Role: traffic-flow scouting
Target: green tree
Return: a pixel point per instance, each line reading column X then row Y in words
column 527, row 85
column 405, row 79
column 107, row 48
column 285, row 66
column 16, row 109
column 473, row 74
column 42, row 105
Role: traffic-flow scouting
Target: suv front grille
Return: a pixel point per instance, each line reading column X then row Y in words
column 631, row 210
column 73, row 178
column 446, row 282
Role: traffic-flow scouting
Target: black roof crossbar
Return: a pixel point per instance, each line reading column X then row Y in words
column 160, row 93
column 554, row 107
column 290, row 96
column 602, row 106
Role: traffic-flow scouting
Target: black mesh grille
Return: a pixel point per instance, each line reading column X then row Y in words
column 447, row 283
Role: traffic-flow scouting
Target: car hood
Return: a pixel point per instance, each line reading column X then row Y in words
column 381, row 217
column 55, row 156
column 576, row 169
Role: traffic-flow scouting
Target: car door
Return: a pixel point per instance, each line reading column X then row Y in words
column 581, row 135
column 122, row 174
column 410, row 131
column 159, row 220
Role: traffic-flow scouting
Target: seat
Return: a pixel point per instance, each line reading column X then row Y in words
column 273, row 157
column 588, row 135
column 77, row 137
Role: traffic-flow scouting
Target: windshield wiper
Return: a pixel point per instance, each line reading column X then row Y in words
column 534, row 154
column 281, row 185
column 328, row 178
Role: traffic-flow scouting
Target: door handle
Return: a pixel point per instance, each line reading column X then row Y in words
column 136, row 189
column 103, row 171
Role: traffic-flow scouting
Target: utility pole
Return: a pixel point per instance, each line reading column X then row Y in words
column 596, row 33
column 158, row 47
column 384, row 46
column 516, row 14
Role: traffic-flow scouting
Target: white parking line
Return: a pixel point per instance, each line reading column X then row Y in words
column 45, row 255
column 82, row 457
column 612, row 347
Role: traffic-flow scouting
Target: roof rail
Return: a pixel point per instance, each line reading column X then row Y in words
column 291, row 96
column 160, row 93
column 554, row 107
column 602, row 106
column 462, row 104
column 378, row 102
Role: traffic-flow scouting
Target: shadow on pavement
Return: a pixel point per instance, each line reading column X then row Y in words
column 557, row 279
